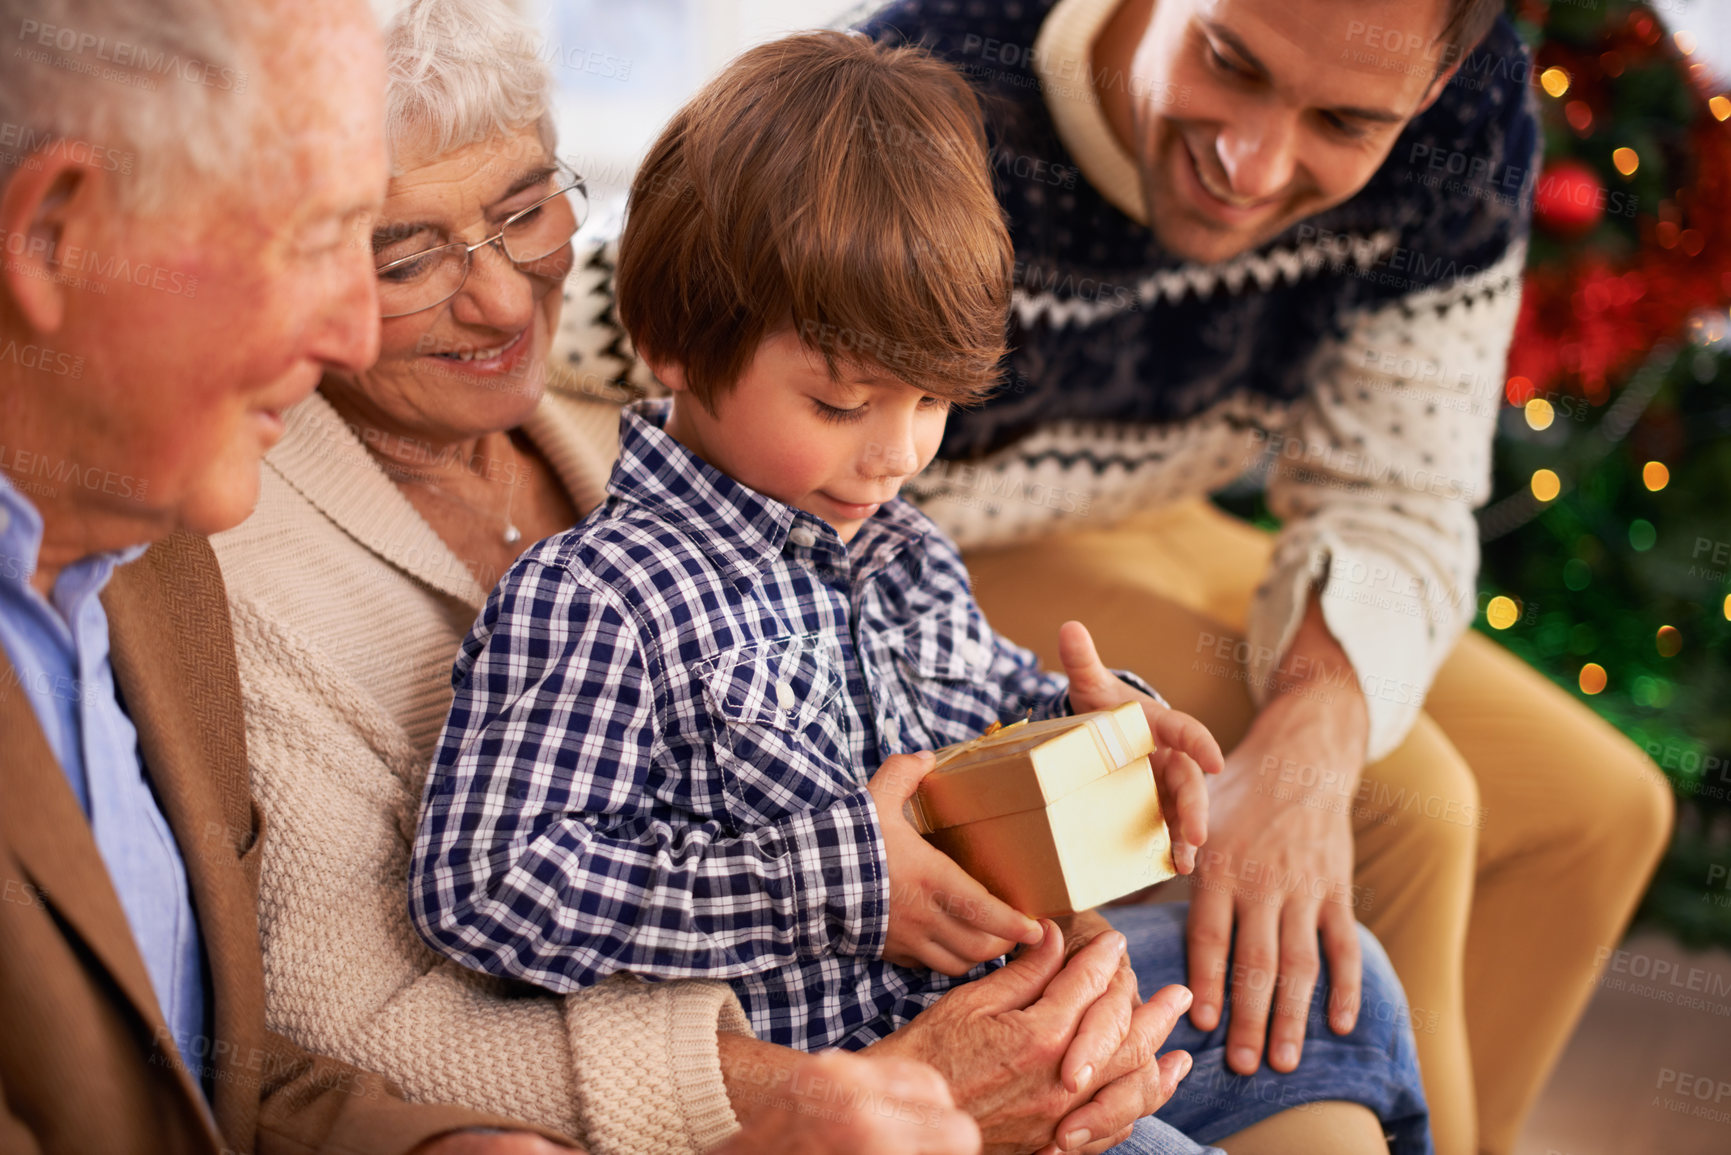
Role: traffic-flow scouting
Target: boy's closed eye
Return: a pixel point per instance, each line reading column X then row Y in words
column 843, row 414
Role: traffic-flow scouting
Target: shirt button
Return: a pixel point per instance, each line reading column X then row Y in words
column 785, row 698
column 803, row 536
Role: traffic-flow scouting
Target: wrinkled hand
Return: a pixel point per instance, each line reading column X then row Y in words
column 1003, row 1040
column 860, row 1105
column 1183, row 748
column 493, row 1143
column 939, row 917
column 1277, row 872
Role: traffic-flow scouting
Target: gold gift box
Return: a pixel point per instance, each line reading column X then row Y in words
column 1052, row 817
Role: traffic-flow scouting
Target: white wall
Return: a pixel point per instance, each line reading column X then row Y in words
column 1710, row 21
column 623, row 67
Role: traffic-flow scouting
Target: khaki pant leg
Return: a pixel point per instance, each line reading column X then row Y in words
column 1328, row 1128
column 1168, row 595
column 1415, row 836
column 1576, row 818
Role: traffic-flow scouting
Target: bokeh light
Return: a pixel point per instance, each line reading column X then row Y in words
column 1593, row 678
column 1655, row 475
column 1555, row 81
column 1668, row 641
column 1627, row 160
column 1546, row 485
column 1502, row 612
column 1540, row 414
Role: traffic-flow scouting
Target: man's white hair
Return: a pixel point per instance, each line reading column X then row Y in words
column 161, row 93
column 460, row 72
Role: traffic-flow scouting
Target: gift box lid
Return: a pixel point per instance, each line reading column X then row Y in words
column 1028, row 766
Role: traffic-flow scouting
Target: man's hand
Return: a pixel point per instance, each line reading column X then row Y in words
column 1279, row 868
column 859, row 1105
column 940, row 917
column 1001, row 1042
column 493, row 1143
column 1183, row 747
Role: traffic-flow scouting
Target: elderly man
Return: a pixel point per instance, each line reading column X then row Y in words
column 1288, row 235
column 183, row 213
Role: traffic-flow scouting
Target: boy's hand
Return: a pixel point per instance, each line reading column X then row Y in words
column 940, row 917
column 1183, row 747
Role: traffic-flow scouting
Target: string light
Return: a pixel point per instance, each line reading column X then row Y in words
column 1593, row 678
column 1555, row 81
column 1502, row 612
column 1546, row 485
column 1720, row 107
column 1655, row 476
column 1540, row 414
column 1627, row 160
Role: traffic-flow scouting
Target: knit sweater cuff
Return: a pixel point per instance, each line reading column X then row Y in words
column 694, row 1024
column 650, row 1065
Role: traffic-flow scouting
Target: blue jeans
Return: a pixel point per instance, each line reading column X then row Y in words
column 1376, row 1065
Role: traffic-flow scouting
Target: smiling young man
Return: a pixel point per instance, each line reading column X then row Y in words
column 1286, row 237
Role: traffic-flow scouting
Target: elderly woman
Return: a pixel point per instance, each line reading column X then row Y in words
column 394, row 500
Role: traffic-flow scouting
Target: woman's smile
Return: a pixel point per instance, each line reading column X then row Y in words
column 501, row 358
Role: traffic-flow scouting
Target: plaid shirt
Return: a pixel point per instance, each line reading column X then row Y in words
column 665, row 718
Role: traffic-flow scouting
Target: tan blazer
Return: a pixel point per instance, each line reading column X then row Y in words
column 87, row 1066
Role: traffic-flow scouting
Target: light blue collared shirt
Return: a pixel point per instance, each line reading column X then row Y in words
column 59, row 652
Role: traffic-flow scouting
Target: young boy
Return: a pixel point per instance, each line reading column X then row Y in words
column 657, row 759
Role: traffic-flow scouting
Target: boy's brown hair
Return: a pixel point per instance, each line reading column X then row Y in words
column 835, row 185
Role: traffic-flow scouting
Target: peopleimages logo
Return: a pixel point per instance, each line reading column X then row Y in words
column 89, row 268
column 24, row 144
column 137, row 57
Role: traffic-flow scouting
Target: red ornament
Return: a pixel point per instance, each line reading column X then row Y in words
column 1569, row 199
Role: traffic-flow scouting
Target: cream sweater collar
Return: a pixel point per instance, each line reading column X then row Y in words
column 323, row 459
column 1063, row 57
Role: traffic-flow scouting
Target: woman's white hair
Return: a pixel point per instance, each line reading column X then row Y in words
column 159, row 92
column 460, row 72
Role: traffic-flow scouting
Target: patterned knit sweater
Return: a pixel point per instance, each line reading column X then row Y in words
column 348, row 610
column 1354, row 364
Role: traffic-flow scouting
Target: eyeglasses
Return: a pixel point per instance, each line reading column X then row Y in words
column 536, row 240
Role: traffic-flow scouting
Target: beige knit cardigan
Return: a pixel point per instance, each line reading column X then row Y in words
column 348, row 610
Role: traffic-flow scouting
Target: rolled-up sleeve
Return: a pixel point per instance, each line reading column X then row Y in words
column 1375, row 477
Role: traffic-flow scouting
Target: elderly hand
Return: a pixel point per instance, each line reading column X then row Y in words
column 846, row 1104
column 1183, row 747
column 1003, row 1040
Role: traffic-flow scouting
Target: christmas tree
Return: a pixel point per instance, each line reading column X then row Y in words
column 1607, row 549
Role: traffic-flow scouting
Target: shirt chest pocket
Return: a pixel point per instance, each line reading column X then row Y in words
column 944, row 658
column 779, row 733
